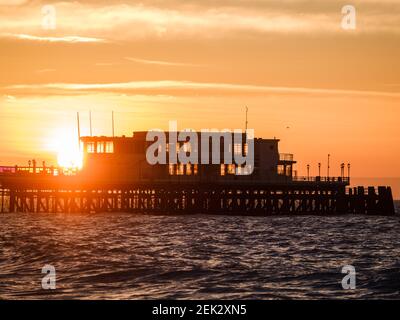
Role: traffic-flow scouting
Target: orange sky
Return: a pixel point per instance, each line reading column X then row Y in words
column 317, row 87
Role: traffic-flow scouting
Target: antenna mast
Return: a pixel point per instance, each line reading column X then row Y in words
column 90, row 121
column 247, row 110
column 112, row 115
column 79, row 130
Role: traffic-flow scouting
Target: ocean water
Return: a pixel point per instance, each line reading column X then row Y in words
column 125, row 256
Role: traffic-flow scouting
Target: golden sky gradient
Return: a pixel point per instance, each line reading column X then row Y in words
column 317, row 87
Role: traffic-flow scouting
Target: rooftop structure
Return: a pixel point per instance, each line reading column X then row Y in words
column 123, row 159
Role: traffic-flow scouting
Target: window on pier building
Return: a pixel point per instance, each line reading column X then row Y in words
column 187, row 147
column 100, row 147
column 231, row 169
column 223, row 169
column 228, row 169
column 182, row 169
column 109, row 147
column 90, row 147
column 237, row 148
column 284, row 170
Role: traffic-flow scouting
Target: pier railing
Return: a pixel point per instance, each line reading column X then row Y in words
column 46, row 171
column 323, row 179
column 59, row 171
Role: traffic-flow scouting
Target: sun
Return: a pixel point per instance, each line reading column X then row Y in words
column 70, row 157
column 65, row 144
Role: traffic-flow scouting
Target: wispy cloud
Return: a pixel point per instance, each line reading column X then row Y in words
column 162, row 63
column 12, row 2
column 70, row 39
column 9, row 97
column 45, row 70
column 105, row 64
column 176, row 87
column 177, row 19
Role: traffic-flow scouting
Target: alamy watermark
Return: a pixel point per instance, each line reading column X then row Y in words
column 349, row 281
column 49, row 19
column 49, row 280
column 349, row 21
column 190, row 147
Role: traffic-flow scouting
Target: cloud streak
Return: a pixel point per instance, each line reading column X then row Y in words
column 162, row 63
column 177, row 87
column 68, row 39
column 94, row 21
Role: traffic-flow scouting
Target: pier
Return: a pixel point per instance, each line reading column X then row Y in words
column 45, row 192
column 116, row 176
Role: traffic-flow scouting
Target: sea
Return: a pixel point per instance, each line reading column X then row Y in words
column 134, row 256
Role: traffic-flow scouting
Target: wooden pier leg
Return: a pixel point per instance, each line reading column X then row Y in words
column 389, row 202
column 2, row 200
column 385, row 204
column 371, row 201
column 350, row 201
column 48, row 196
column 361, row 204
column 12, row 200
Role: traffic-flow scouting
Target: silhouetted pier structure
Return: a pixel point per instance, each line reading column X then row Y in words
column 117, row 177
column 43, row 192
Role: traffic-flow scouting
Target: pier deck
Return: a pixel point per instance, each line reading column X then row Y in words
column 69, row 194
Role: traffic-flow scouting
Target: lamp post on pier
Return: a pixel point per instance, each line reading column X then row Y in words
column 308, row 172
column 342, row 170
column 329, row 156
column 348, row 171
column 319, row 169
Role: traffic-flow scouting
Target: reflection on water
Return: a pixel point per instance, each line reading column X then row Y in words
column 124, row 256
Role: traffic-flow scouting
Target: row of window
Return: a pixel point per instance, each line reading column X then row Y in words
column 100, row 147
column 285, row 170
column 227, row 169
column 187, row 147
column 183, row 169
column 108, row 147
column 192, row 169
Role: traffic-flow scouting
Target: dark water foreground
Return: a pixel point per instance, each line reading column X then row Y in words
column 123, row 256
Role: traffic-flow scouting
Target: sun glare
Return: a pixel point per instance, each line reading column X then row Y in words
column 70, row 158
column 65, row 145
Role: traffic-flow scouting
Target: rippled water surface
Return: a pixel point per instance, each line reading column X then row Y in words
column 124, row 256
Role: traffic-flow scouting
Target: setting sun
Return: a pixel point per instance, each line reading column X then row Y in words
column 69, row 157
column 65, row 146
